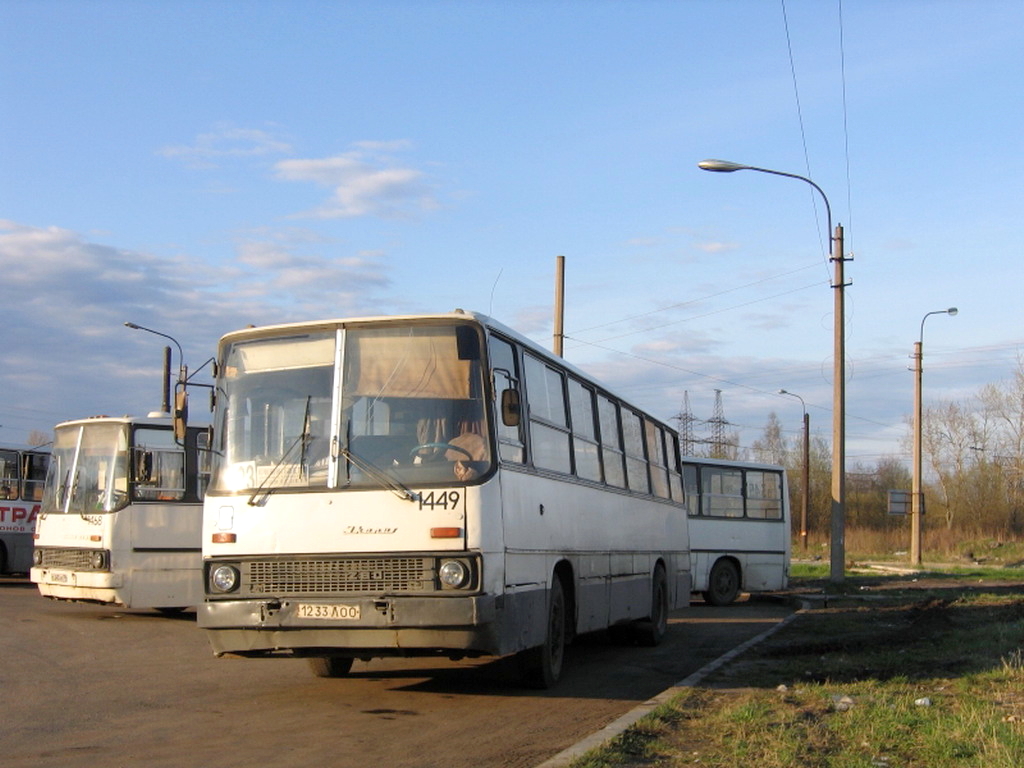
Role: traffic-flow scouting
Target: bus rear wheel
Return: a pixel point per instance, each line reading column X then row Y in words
column 723, row 583
column 330, row 666
column 541, row 667
column 651, row 631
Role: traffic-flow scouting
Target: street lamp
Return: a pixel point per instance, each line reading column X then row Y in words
column 838, row 534
column 182, row 370
column 806, row 476
column 917, row 493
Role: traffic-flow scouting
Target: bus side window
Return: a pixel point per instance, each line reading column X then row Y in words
column 586, row 450
column 505, row 370
column 722, row 491
column 691, row 490
column 8, row 475
column 764, row 495
column 549, row 427
column 655, row 438
column 636, row 463
column 159, row 466
column 611, row 442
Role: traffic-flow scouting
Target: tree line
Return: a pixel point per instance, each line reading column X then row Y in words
column 973, row 468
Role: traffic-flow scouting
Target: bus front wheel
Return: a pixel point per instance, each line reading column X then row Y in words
column 330, row 666
column 541, row 667
column 723, row 583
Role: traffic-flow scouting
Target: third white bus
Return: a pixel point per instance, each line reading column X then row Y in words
column 739, row 527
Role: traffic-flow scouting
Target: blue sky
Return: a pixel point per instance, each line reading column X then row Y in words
column 198, row 166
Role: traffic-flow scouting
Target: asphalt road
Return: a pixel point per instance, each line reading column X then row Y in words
column 86, row 685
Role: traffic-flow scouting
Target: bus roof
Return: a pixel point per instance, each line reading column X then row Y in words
column 255, row 332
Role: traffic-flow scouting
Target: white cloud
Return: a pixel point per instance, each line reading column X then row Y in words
column 68, row 353
column 227, row 141
column 715, row 246
column 365, row 183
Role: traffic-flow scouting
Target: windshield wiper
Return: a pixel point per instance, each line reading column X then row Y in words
column 378, row 474
column 302, row 439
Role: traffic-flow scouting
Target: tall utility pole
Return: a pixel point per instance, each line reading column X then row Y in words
column 559, row 339
column 806, row 475
column 838, row 535
column 837, row 546
column 917, row 491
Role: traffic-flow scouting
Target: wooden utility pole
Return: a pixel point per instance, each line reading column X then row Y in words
column 559, row 339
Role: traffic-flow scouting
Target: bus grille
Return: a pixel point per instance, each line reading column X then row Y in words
column 379, row 575
column 66, row 558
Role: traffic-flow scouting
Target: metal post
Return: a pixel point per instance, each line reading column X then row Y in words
column 837, row 545
column 559, row 339
column 915, row 492
column 917, row 488
column 806, row 480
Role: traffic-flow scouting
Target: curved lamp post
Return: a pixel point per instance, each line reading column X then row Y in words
column 837, row 545
column 917, row 494
column 182, row 371
column 806, row 474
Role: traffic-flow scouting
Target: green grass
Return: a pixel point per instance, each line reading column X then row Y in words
column 816, row 575
column 909, row 679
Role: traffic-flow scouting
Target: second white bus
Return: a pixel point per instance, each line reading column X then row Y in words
column 121, row 514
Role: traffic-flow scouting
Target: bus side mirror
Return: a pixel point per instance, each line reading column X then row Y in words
column 510, row 407
column 180, row 414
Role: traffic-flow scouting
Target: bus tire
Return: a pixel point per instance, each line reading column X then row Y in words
column 330, row 666
column 723, row 583
column 541, row 667
column 651, row 631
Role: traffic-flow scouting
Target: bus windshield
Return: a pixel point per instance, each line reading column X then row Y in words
column 373, row 406
column 88, row 471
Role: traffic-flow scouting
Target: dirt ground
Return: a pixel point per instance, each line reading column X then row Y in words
column 855, row 631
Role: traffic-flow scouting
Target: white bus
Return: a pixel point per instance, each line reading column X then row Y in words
column 121, row 514
column 22, row 472
column 739, row 527
column 403, row 486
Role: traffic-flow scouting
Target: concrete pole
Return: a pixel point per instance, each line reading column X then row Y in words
column 838, row 540
column 806, row 480
column 916, row 507
column 559, row 339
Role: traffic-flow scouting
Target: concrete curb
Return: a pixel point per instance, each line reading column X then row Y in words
column 616, row 727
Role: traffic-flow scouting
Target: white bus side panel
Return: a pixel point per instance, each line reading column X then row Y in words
column 760, row 547
column 550, row 520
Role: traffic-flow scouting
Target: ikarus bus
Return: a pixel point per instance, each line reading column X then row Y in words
column 437, row 484
column 22, row 472
column 739, row 527
column 121, row 514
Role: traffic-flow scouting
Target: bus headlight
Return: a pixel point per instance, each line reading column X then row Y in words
column 98, row 560
column 224, row 578
column 37, row 557
column 453, row 573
